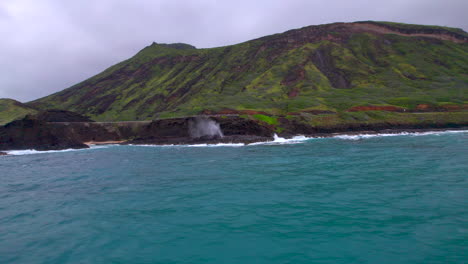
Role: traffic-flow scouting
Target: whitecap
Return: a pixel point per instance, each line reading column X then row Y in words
column 282, row 141
column 218, row 145
column 33, row 151
column 365, row 136
column 276, row 141
column 192, row 145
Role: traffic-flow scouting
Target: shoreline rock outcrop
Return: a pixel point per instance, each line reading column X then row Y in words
column 30, row 133
column 33, row 133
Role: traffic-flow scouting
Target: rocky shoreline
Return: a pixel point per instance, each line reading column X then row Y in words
column 247, row 140
column 34, row 133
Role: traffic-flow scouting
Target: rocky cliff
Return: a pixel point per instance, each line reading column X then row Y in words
column 32, row 133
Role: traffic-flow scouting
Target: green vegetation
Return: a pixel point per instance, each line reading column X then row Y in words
column 11, row 110
column 381, row 117
column 308, row 69
column 267, row 119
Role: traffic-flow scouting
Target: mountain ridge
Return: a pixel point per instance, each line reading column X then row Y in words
column 11, row 109
column 331, row 67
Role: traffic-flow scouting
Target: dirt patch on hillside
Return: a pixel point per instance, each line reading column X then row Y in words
column 387, row 108
column 233, row 112
column 366, row 27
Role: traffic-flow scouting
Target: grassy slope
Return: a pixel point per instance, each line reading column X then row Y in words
column 274, row 75
column 11, row 110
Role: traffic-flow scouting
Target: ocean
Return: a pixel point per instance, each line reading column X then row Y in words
column 348, row 199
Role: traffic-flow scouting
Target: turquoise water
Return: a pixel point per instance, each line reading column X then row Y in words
column 399, row 199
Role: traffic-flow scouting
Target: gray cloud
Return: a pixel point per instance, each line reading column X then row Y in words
column 50, row 45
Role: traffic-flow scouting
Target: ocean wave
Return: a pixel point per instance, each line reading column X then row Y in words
column 218, row 145
column 276, row 141
column 33, row 151
column 282, row 141
column 365, row 136
column 193, row 145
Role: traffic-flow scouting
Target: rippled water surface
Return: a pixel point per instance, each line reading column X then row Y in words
column 399, row 199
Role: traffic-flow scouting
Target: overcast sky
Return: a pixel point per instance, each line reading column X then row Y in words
column 49, row 45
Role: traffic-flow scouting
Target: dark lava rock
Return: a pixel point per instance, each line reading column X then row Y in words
column 244, row 139
column 3, row 154
column 31, row 133
column 234, row 125
column 55, row 115
column 179, row 128
column 94, row 131
column 176, row 131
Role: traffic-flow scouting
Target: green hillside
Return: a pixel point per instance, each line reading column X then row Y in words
column 11, row 110
column 331, row 68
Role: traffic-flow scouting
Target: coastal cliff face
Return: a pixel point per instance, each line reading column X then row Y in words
column 334, row 67
column 33, row 133
column 29, row 133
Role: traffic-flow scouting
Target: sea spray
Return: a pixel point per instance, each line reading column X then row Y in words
column 204, row 127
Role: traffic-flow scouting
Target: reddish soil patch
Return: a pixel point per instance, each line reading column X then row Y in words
column 234, row 112
column 385, row 29
column 252, row 112
column 388, row 108
column 451, row 108
column 294, row 92
column 294, row 76
column 424, row 107
column 313, row 112
column 440, row 108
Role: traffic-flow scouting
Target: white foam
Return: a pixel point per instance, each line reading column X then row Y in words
column 276, row 141
column 218, row 145
column 365, row 136
column 282, row 141
column 33, row 151
column 148, row 145
column 193, row 145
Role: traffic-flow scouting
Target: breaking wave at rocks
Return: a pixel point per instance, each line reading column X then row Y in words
column 366, row 136
column 33, row 151
column 277, row 140
column 282, row 141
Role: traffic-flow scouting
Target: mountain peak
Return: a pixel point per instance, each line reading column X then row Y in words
column 179, row 46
